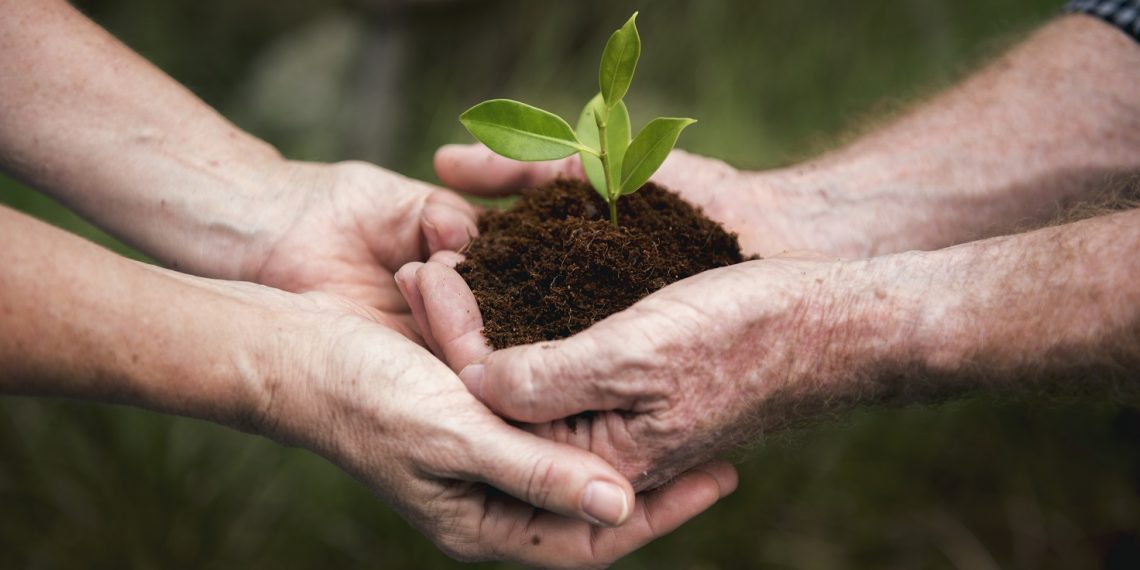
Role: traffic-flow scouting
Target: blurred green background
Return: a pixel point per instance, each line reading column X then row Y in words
column 970, row 484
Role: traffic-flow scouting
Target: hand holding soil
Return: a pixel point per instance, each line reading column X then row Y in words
column 340, row 228
column 770, row 212
column 396, row 418
column 716, row 360
column 658, row 388
column 660, row 343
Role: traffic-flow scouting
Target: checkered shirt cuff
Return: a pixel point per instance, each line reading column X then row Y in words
column 1124, row 14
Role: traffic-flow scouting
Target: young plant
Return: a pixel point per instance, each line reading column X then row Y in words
column 614, row 164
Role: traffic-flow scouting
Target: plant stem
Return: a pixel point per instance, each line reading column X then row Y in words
column 611, row 190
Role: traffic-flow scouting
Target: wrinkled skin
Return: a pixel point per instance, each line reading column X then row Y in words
column 676, row 379
column 394, row 416
column 671, row 382
column 346, row 377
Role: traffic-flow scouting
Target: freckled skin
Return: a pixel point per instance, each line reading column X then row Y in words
column 717, row 360
column 721, row 358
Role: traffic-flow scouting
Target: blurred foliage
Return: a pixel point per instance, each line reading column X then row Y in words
column 972, row 484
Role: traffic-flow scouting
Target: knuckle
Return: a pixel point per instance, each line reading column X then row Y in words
column 355, row 169
column 509, row 382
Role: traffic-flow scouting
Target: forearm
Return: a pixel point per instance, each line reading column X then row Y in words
column 87, row 120
column 1055, row 308
column 80, row 322
column 1046, row 313
column 1047, row 124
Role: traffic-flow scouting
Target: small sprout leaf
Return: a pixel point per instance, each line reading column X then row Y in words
column 519, row 131
column 649, row 150
column 619, row 60
column 617, row 140
column 614, row 164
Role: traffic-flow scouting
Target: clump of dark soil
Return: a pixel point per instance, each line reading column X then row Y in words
column 552, row 265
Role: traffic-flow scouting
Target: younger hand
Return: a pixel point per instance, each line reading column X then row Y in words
column 346, row 228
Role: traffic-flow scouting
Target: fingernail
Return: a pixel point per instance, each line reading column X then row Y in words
column 606, row 503
column 472, row 377
column 447, row 257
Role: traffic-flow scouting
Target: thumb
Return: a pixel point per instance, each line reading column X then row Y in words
column 475, row 169
column 554, row 476
column 451, row 313
column 543, row 382
column 533, row 383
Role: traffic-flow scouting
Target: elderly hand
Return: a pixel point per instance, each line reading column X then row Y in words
column 327, row 374
column 394, row 416
column 772, row 212
column 685, row 374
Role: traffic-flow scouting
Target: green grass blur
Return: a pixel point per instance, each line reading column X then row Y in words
column 969, row 484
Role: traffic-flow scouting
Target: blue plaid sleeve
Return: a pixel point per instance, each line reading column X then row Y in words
column 1124, row 14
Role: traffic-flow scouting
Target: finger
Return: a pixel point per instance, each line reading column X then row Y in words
column 543, row 382
column 447, row 222
column 477, row 170
column 406, row 283
column 553, row 476
column 553, row 541
column 448, row 258
column 665, row 508
column 452, row 315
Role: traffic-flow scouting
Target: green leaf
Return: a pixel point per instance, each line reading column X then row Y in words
column 519, row 131
column 617, row 140
column 619, row 60
column 649, row 150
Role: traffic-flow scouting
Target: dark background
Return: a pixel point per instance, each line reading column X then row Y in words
column 970, row 484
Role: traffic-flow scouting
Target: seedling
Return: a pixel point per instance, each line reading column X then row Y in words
column 614, row 164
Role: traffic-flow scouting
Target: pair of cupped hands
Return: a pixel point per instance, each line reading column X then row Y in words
column 392, row 379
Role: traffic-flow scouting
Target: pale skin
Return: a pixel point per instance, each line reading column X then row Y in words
column 93, row 124
column 717, row 360
column 329, row 360
column 321, row 372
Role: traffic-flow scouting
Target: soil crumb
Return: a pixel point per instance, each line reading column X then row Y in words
column 552, row 265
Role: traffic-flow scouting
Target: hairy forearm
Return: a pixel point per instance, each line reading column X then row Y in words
column 1045, row 125
column 1051, row 307
column 80, row 322
column 1054, row 312
column 87, row 120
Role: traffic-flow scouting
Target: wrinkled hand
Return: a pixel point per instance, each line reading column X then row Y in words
column 768, row 211
column 391, row 414
column 346, row 228
column 680, row 377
